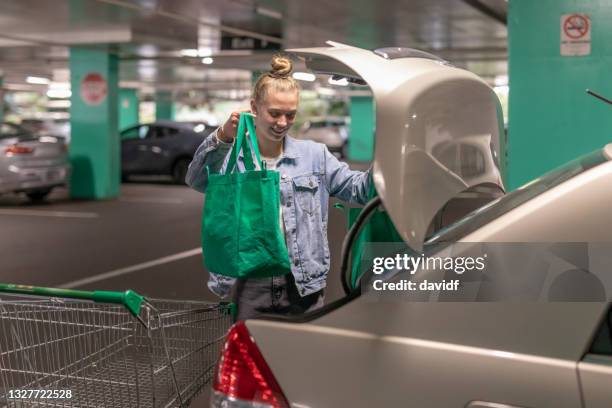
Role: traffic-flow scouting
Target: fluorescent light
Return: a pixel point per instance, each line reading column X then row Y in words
column 326, row 92
column 205, row 52
column 59, row 93
column 340, row 82
column 207, row 60
column 304, row 76
column 37, row 80
column 264, row 11
column 60, row 85
column 191, row 52
column 501, row 80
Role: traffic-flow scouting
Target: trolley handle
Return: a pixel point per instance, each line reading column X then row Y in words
column 130, row 299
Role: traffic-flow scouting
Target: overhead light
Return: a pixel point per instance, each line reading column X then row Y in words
column 59, row 93
column 37, row 80
column 340, row 82
column 60, row 85
column 501, row 80
column 207, row 60
column 191, row 52
column 304, row 76
column 201, row 52
column 264, row 11
column 205, row 52
column 326, row 92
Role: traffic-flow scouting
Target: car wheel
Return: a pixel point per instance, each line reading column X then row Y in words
column 179, row 170
column 38, row 195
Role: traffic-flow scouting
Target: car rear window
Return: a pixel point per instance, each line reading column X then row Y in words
column 506, row 203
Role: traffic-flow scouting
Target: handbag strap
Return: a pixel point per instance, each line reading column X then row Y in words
column 246, row 123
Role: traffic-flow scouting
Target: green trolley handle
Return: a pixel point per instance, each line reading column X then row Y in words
column 130, row 299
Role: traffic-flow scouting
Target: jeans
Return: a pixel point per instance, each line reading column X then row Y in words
column 276, row 295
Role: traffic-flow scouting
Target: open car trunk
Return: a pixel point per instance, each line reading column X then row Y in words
column 438, row 133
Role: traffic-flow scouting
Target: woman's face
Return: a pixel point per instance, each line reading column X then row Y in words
column 275, row 114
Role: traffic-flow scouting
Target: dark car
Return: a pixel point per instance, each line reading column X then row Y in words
column 161, row 148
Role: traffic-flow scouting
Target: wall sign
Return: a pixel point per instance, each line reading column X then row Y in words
column 575, row 35
column 93, row 89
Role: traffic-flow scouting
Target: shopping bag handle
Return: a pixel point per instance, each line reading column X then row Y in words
column 246, row 123
column 130, row 299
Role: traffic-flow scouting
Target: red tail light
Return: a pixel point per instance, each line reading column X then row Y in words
column 16, row 149
column 243, row 374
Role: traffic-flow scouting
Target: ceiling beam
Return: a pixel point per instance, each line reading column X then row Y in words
column 488, row 11
column 194, row 21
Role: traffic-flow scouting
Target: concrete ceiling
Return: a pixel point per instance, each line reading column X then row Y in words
column 148, row 35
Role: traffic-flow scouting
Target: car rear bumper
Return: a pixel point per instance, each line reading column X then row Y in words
column 19, row 179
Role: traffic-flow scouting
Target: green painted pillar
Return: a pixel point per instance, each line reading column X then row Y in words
column 551, row 118
column 361, row 133
column 1, row 98
column 128, row 108
column 164, row 106
column 94, row 146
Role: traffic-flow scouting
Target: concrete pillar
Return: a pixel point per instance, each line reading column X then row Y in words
column 361, row 133
column 164, row 106
column 551, row 118
column 1, row 97
column 94, row 146
column 128, row 108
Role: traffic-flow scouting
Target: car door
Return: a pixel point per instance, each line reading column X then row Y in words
column 163, row 149
column 134, row 148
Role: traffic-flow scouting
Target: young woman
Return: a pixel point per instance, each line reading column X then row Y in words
column 310, row 174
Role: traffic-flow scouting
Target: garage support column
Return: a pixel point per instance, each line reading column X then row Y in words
column 128, row 108
column 164, row 106
column 1, row 97
column 551, row 118
column 361, row 133
column 94, row 146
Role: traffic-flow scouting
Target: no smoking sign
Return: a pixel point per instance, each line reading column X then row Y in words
column 575, row 34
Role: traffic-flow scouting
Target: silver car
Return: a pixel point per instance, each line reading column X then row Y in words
column 31, row 164
column 495, row 343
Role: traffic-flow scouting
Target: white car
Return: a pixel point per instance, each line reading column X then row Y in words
column 31, row 164
column 445, row 349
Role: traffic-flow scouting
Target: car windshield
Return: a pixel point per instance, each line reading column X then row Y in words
column 504, row 204
column 9, row 131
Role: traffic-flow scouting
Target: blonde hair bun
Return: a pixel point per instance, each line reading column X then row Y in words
column 281, row 66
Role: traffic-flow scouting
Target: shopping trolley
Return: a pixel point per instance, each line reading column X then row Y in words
column 105, row 349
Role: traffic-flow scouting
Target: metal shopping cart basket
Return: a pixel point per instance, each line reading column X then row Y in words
column 105, row 349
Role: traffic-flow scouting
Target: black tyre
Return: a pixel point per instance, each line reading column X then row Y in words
column 38, row 195
column 179, row 170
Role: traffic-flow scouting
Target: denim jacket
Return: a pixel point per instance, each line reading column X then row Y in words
column 310, row 174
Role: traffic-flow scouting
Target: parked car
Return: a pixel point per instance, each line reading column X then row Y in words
column 161, row 148
column 442, row 351
column 48, row 127
column 331, row 131
column 31, row 164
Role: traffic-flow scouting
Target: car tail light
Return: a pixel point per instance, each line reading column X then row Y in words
column 16, row 149
column 243, row 377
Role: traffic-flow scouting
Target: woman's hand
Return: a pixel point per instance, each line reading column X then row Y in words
column 227, row 132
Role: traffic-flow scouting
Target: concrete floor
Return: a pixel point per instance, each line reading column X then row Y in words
column 147, row 240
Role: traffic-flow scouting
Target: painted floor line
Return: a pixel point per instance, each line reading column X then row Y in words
column 132, row 268
column 152, row 200
column 62, row 214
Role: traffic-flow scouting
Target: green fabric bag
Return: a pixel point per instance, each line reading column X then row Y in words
column 241, row 233
column 378, row 228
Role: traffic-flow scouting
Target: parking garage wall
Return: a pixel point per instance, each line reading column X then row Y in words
column 551, row 118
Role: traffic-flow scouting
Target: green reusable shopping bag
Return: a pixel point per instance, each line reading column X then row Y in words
column 241, row 233
column 378, row 228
